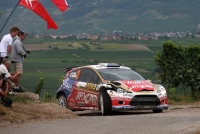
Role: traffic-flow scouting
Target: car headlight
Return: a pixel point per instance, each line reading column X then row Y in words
column 160, row 89
column 120, row 90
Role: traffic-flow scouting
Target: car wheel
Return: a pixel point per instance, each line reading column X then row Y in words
column 157, row 111
column 105, row 103
column 62, row 100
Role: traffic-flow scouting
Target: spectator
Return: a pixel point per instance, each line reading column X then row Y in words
column 6, row 42
column 10, row 78
column 17, row 56
column 3, row 94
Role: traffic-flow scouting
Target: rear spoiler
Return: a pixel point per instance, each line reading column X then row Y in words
column 69, row 69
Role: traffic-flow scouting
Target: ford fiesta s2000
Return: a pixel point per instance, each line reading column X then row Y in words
column 110, row 87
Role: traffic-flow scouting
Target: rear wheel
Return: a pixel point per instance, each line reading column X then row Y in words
column 157, row 111
column 62, row 100
column 105, row 103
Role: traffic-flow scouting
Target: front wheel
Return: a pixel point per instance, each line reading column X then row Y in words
column 157, row 111
column 105, row 103
column 62, row 100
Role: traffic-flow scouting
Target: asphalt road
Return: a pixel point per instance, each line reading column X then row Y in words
column 177, row 121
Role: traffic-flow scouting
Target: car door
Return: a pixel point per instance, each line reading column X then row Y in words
column 85, row 93
column 69, row 84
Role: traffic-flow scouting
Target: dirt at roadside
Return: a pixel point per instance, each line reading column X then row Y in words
column 34, row 110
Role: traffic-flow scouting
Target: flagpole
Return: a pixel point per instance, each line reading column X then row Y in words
column 9, row 17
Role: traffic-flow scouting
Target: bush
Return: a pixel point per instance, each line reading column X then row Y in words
column 47, row 97
column 40, row 84
column 180, row 66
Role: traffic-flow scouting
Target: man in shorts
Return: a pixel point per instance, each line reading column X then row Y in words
column 6, row 42
column 17, row 56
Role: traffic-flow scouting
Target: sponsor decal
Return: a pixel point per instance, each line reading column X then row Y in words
column 121, row 107
column 141, row 86
column 136, row 82
column 120, row 98
column 67, row 84
column 147, row 107
column 91, row 86
column 81, row 84
column 78, row 74
column 81, row 104
column 128, row 95
column 73, row 75
column 87, row 85
column 160, row 94
column 138, row 85
column 71, row 104
column 87, row 98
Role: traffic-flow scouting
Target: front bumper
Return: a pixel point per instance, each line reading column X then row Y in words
column 139, row 107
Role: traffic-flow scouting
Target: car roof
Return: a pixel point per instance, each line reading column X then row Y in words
column 107, row 66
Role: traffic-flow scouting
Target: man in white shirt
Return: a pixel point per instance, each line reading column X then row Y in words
column 6, row 42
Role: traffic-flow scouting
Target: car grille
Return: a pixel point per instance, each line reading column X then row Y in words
column 145, row 100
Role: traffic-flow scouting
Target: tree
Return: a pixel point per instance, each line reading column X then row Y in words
column 180, row 66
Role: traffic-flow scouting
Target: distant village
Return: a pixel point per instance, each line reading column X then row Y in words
column 119, row 35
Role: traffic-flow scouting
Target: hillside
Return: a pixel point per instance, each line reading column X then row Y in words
column 108, row 15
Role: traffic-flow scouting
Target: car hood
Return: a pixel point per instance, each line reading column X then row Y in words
column 137, row 86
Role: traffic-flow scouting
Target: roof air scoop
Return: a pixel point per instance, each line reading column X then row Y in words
column 109, row 64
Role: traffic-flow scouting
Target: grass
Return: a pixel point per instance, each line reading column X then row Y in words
column 21, row 98
column 112, row 46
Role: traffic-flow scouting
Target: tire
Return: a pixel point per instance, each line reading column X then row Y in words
column 62, row 100
column 105, row 103
column 157, row 111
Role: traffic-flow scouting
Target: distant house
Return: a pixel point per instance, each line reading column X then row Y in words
column 63, row 36
column 107, row 37
column 39, row 36
column 116, row 38
column 54, row 36
column 144, row 37
column 154, row 37
column 92, row 37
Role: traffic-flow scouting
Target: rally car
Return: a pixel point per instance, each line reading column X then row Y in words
column 109, row 87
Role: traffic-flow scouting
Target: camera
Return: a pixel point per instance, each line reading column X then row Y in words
column 28, row 52
column 3, row 77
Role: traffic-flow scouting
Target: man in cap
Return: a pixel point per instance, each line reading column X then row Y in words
column 17, row 56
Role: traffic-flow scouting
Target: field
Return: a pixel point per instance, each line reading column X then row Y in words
column 51, row 61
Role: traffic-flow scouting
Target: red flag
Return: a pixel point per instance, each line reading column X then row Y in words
column 36, row 6
column 61, row 4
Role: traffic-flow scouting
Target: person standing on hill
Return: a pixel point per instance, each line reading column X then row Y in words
column 6, row 42
column 17, row 56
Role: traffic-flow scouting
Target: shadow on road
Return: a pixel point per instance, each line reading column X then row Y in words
column 115, row 113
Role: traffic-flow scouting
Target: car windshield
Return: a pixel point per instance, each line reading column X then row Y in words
column 119, row 74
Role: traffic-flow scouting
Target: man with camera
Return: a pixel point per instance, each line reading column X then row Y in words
column 18, row 54
column 7, row 76
column 3, row 93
